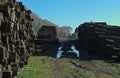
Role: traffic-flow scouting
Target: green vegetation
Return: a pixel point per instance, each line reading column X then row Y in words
column 48, row 67
column 71, row 71
column 113, row 68
column 38, row 67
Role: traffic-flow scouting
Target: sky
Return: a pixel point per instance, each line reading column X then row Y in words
column 75, row 12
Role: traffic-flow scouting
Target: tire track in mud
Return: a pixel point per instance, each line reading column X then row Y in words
column 89, row 66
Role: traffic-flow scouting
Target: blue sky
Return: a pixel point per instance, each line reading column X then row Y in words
column 75, row 12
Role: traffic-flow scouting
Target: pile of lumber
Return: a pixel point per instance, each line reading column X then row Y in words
column 16, row 39
column 46, row 37
column 100, row 38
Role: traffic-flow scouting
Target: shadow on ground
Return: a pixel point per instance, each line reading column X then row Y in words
column 60, row 50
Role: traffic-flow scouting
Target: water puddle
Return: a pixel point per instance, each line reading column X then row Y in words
column 74, row 50
column 60, row 48
column 85, row 67
column 69, row 52
column 59, row 52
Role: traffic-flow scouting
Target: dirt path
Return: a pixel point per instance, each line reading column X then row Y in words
column 99, row 73
column 46, row 65
column 73, row 68
column 68, row 67
column 102, row 74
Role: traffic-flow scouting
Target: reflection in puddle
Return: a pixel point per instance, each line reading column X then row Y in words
column 75, row 50
column 59, row 54
column 72, row 50
column 60, row 48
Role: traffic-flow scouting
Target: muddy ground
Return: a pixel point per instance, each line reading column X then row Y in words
column 71, row 66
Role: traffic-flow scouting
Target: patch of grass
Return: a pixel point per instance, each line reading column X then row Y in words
column 113, row 68
column 66, row 66
column 37, row 67
column 74, row 72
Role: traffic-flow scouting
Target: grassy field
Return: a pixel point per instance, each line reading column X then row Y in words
column 44, row 67
column 113, row 67
column 48, row 67
column 37, row 67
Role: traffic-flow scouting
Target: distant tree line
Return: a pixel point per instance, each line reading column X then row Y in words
column 39, row 22
column 62, row 32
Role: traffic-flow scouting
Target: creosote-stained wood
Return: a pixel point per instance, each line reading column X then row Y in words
column 100, row 38
column 47, row 37
column 15, row 37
